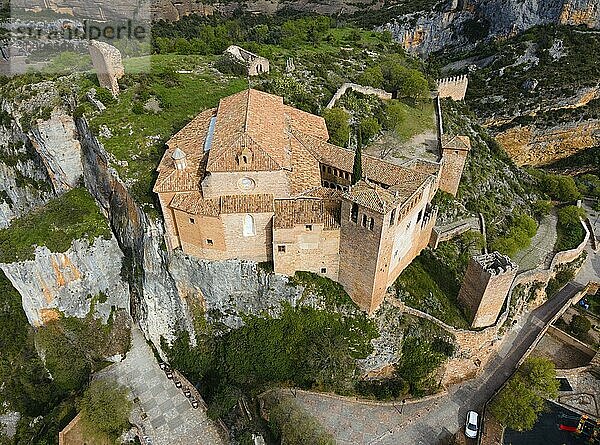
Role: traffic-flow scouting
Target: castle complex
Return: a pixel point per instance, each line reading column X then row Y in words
column 256, row 179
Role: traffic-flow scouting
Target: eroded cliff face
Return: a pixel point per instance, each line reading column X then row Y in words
column 530, row 145
column 461, row 24
column 228, row 289
column 40, row 155
column 86, row 279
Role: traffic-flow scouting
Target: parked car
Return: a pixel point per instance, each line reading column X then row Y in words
column 194, row 403
column 187, row 393
column 169, row 374
column 163, row 365
column 471, row 428
column 177, row 383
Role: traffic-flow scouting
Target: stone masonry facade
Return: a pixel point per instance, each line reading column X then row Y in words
column 108, row 64
column 453, row 87
column 486, row 284
column 255, row 179
column 454, row 151
column 253, row 63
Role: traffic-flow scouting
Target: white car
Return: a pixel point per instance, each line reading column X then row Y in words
column 471, row 426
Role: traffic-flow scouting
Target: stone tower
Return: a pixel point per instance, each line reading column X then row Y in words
column 485, row 287
column 108, row 64
column 454, row 153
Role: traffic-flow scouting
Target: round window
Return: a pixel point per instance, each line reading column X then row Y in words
column 246, row 184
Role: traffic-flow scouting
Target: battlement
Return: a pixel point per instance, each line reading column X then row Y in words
column 485, row 287
column 495, row 263
column 453, row 87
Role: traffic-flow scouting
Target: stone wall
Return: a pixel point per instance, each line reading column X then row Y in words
column 108, row 65
column 317, row 250
column 453, row 87
column 571, row 341
column 361, row 89
column 486, row 284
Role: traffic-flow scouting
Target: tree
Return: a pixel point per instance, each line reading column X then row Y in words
column 418, row 362
column 580, row 325
column 337, row 126
column 519, row 403
column 357, row 172
column 369, row 128
column 105, row 409
column 560, row 188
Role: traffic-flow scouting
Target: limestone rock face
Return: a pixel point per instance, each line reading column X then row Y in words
column 71, row 282
column 426, row 32
column 40, row 156
column 231, row 288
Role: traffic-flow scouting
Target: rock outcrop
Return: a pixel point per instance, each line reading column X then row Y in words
column 84, row 279
column 463, row 24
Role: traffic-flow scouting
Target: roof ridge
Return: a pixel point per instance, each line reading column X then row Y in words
column 247, row 110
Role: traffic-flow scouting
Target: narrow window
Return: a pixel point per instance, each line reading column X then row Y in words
column 308, row 227
column 245, row 159
column 371, row 224
column 354, row 213
column 329, row 170
column 192, row 221
column 248, row 229
column 420, row 215
column 393, row 217
column 364, row 220
column 209, row 242
column 281, row 249
column 323, row 270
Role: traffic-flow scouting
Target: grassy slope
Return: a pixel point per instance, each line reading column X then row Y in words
column 138, row 139
column 71, row 216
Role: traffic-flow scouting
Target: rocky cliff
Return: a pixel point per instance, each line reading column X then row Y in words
column 86, row 279
column 40, row 155
column 461, row 24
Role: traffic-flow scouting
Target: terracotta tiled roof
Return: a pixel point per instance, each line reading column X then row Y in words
column 190, row 141
column 324, row 193
column 423, row 166
column 247, row 204
column 289, row 212
column 249, row 119
column 374, row 168
column 372, row 197
column 306, row 123
column 194, row 204
column 456, row 142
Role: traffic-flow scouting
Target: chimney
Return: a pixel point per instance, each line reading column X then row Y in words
column 179, row 157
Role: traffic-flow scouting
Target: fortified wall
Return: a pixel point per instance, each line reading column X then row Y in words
column 361, row 89
column 453, row 87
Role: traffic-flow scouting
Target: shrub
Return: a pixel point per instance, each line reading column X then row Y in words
column 570, row 232
column 580, row 325
column 518, row 237
column 105, row 409
column 337, row 126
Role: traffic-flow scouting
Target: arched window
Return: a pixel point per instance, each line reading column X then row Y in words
column 371, row 223
column 354, row 212
column 248, row 229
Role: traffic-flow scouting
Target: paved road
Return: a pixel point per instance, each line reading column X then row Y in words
column 170, row 420
column 430, row 422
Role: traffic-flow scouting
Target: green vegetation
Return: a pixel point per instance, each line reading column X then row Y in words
column 521, row 229
column 419, row 360
column 519, row 403
column 137, row 136
column 105, row 410
column 564, row 274
column 357, row 171
column 337, row 126
column 570, row 231
column 432, row 281
column 392, row 74
column 580, row 326
column 71, row 216
column 303, row 346
column 73, row 347
column 292, row 425
column 558, row 187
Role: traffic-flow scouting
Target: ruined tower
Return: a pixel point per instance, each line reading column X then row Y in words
column 454, row 153
column 485, row 287
column 108, row 64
